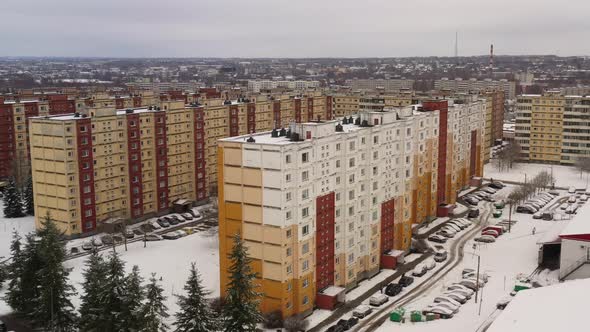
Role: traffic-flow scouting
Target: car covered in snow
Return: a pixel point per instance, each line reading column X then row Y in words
column 437, row 238
column 447, row 233
column 451, row 304
column 443, row 312
column 503, row 302
column 485, row 239
column 496, row 185
column 153, row 237
column 456, row 296
column 430, row 263
column 419, row 270
column 490, row 232
column 362, row 311
column 440, row 255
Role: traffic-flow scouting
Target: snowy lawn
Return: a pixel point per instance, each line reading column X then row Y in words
column 513, row 254
column 23, row 225
column 169, row 259
column 565, row 176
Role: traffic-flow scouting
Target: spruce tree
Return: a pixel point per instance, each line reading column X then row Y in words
column 30, row 279
column 94, row 281
column 154, row 310
column 132, row 301
column 13, row 204
column 195, row 314
column 241, row 311
column 15, row 272
column 53, row 308
column 112, row 297
column 29, row 197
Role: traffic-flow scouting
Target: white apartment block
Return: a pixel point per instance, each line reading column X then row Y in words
column 473, row 84
column 257, row 85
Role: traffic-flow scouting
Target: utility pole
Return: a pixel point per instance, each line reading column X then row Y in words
column 477, row 279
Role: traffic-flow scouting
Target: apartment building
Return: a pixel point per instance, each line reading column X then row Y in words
column 258, row 85
column 381, row 84
column 494, row 119
column 108, row 163
column 321, row 205
column 553, row 128
column 473, row 84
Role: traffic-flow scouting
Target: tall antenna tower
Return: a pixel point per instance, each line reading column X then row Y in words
column 491, row 58
column 456, row 46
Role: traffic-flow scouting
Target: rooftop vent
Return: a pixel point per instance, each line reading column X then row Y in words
column 365, row 123
column 274, row 133
column 76, row 115
column 158, row 108
column 288, row 134
column 339, row 128
column 251, row 140
column 84, row 115
column 283, row 132
column 295, row 137
column 128, row 111
column 350, row 120
column 357, row 121
column 150, row 108
column 345, row 121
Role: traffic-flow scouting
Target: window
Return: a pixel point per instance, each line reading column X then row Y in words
column 288, row 159
column 351, row 146
column 305, row 175
column 289, row 269
column 305, row 265
column 305, row 248
column 288, row 196
column 305, row 230
column 305, row 283
column 288, row 177
column 337, row 163
column 288, row 215
column 88, row 213
column 305, row 300
column 305, row 157
column 351, row 162
column 289, row 252
column 305, row 194
column 86, row 189
column 338, row 147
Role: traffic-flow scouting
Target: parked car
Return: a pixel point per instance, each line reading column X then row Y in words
column 437, row 238
column 469, row 283
column 537, row 215
column 571, row 190
column 490, row 232
column 87, row 245
column 419, row 270
column 526, row 209
column 362, row 311
column 489, row 190
column 464, row 221
column 154, row 224
column 485, row 239
column 456, row 296
column 174, row 235
column 571, row 199
column 554, row 192
column 107, row 239
column 453, row 226
column 378, row 300
column 584, row 198
column 471, row 200
column 186, row 216
column 405, row 281
column 447, row 305
column 194, row 213
column 483, row 277
column 458, row 224
column 173, row 220
column 163, row 222
column 503, row 302
column 430, row 263
column 460, row 288
column 393, row 289
column 547, row 215
column 496, row 185
column 352, row 321
column 129, row 233
column 446, row 233
column 444, row 313
column 335, row 328
column 440, row 255
column 153, row 237
column 344, row 324
column 451, row 229
column 448, row 302
column 473, row 213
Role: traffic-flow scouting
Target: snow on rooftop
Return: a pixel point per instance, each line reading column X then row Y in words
column 561, row 307
column 580, row 224
column 552, row 234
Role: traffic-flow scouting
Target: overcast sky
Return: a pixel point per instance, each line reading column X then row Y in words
column 292, row 28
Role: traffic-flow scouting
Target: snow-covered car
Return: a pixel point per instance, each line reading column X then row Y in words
column 485, row 239
column 163, row 222
column 419, row 270
column 456, row 296
column 563, row 206
column 496, row 185
column 554, row 192
column 491, row 232
column 453, row 304
column 153, row 237
column 448, row 305
column 571, row 190
column 503, row 302
column 465, row 222
column 187, row 216
column 430, row 263
column 443, row 312
column 362, row 311
column 471, row 200
column 174, row 235
column 446, row 233
column 483, row 277
column 469, row 283
column 571, row 199
column 584, row 198
column 462, row 290
column 437, row 238
column 453, row 226
column 377, row 300
column 155, row 224
column 194, row 213
column 440, row 255
column 538, row 215
column 458, row 224
column 489, row 190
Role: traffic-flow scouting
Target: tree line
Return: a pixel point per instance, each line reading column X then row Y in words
column 40, row 291
column 18, row 202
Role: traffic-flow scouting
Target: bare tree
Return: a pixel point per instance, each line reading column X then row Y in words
column 508, row 156
column 583, row 164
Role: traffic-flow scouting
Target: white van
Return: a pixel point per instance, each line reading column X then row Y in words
column 377, row 300
column 362, row 311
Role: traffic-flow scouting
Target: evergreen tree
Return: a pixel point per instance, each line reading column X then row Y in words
column 154, row 310
column 29, row 281
column 15, row 272
column 13, row 203
column 112, row 297
column 241, row 309
column 132, row 301
column 195, row 314
column 53, row 308
column 94, row 282
column 29, row 197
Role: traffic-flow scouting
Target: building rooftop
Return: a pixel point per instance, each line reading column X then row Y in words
column 579, row 225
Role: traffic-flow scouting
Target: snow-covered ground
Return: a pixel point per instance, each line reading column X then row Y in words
column 514, row 254
column 565, row 176
column 7, row 226
column 169, row 259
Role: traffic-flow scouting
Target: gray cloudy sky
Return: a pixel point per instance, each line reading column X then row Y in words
column 292, row 28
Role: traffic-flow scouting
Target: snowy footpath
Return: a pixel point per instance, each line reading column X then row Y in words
column 565, row 176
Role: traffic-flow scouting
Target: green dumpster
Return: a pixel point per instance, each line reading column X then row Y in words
column 499, row 205
column 497, row 213
column 521, row 286
column 430, row 316
column 416, row 316
column 397, row 315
